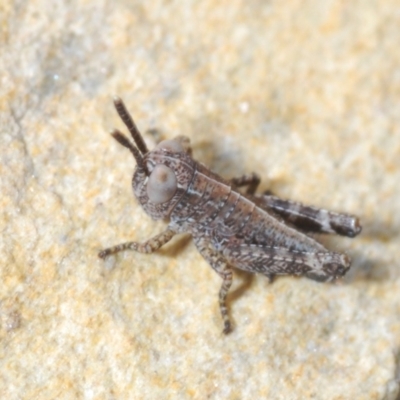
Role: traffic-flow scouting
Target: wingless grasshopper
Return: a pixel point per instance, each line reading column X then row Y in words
column 259, row 233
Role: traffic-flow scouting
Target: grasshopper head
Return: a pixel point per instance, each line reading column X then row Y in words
column 162, row 175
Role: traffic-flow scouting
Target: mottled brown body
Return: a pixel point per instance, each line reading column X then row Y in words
column 256, row 233
column 211, row 208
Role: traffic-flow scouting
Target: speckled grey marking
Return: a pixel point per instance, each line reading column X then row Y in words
column 260, row 233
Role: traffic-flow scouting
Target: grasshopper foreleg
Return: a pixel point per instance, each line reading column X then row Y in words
column 149, row 246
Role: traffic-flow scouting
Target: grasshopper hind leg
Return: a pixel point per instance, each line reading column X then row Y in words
column 309, row 219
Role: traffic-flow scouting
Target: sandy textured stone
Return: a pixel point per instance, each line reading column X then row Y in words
column 304, row 92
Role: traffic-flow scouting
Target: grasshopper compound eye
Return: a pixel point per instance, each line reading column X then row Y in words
column 161, row 185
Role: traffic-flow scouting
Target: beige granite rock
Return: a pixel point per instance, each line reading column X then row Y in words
column 304, row 92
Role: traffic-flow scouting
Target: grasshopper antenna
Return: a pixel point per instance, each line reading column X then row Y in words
column 128, row 121
column 122, row 139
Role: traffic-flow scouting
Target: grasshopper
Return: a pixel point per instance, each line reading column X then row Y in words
column 259, row 233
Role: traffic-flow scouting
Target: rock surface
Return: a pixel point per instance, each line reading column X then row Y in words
column 304, row 92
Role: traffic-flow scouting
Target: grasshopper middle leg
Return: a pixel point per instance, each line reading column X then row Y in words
column 222, row 268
